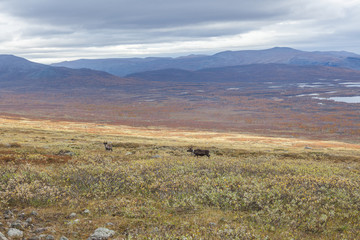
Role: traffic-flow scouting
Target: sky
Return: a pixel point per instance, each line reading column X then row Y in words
column 49, row 31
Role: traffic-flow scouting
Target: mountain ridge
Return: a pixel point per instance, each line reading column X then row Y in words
column 18, row 72
column 125, row 66
column 21, row 73
column 274, row 72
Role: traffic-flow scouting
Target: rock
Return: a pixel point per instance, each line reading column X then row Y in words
column 72, row 215
column 75, row 221
column 8, row 212
column 49, row 237
column 156, row 156
column 2, row 237
column 29, row 220
column 21, row 215
column 63, row 238
column 34, row 213
column 86, row 211
column 17, row 224
column 102, row 234
column 65, row 153
column 308, row 147
column 109, row 224
column 25, row 225
column 15, row 233
column 212, row 224
column 39, row 230
column 34, row 238
column 128, row 153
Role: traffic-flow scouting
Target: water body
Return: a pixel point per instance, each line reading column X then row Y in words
column 351, row 84
column 355, row 99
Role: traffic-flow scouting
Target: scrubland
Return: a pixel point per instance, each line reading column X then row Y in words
column 149, row 187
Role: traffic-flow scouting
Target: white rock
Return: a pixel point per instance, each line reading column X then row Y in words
column 15, row 233
column 2, row 237
column 101, row 234
column 86, row 211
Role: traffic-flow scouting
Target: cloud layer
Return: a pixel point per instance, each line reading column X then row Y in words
column 50, row 31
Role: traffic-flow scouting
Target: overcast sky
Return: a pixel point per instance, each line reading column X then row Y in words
column 49, row 31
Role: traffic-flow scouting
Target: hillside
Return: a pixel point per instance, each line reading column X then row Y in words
column 21, row 74
column 56, row 179
column 126, row 66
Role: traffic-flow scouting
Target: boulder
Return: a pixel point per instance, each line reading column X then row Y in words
column 102, row 234
column 15, row 233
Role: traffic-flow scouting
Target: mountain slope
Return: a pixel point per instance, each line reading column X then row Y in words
column 21, row 73
column 280, row 73
column 125, row 66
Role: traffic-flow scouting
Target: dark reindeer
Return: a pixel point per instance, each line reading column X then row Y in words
column 199, row 152
column 108, row 146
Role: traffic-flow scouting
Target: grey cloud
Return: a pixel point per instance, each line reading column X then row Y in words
column 112, row 22
column 143, row 14
column 72, row 27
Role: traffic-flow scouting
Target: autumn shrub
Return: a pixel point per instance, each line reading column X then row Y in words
column 25, row 186
column 194, row 232
column 270, row 193
column 305, row 196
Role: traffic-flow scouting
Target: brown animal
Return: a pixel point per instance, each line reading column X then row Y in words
column 108, row 146
column 199, row 152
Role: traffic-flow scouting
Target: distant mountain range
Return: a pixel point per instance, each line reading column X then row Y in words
column 19, row 73
column 271, row 65
column 253, row 73
column 279, row 90
column 126, row 66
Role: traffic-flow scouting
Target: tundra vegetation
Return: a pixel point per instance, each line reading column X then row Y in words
column 238, row 193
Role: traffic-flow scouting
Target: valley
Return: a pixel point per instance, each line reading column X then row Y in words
column 304, row 110
column 273, row 92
